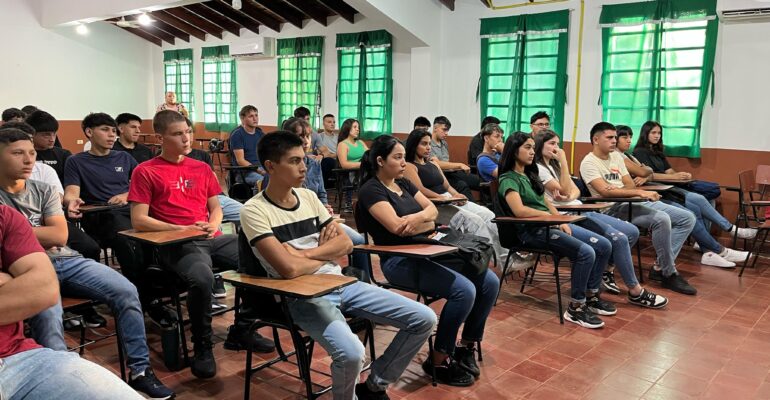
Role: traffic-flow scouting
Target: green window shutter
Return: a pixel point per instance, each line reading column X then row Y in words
column 658, row 60
column 299, row 77
column 220, row 96
column 524, row 68
column 178, row 70
column 365, row 81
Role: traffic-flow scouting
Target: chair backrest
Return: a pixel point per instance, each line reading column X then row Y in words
column 762, row 178
column 581, row 184
column 746, row 181
column 260, row 304
column 509, row 238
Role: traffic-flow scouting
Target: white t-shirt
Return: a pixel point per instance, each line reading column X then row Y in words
column 611, row 170
column 547, row 174
column 45, row 173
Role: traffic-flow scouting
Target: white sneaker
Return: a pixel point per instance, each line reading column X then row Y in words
column 696, row 246
column 734, row 255
column 715, row 260
column 744, row 233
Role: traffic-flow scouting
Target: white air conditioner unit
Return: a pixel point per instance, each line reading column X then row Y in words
column 743, row 10
column 259, row 48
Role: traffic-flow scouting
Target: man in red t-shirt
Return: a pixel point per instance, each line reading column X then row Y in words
column 174, row 192
column 28, row 285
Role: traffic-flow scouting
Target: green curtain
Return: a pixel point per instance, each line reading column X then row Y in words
column 299, row 76
column 658, row 60
column 365, row 81
column 220, row 96
column 524, row 68
column 178, row 67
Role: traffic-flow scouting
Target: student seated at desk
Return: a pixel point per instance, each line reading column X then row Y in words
column 394, row 213
column 46, row 126
column 243, row 144
column 28, row 286
column 129, row 127
column 606, row 175
column 521, row 194
column 465, row 216
column 101, row 176
column 293, row 234
column 463, row 181
column 559, row 189
column 325, row 144
column 78, row 277
column 487, row 161
column 477, row 143
column 12, row 114
column 349, row 151
column 174, row 192
column 649, row 153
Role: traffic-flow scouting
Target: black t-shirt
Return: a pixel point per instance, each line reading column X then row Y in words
column 477, row 147
column 431, row 177
column 55, row 158
column 200, row 155
column 657, row 162
column 140, row 152
column 373, row 192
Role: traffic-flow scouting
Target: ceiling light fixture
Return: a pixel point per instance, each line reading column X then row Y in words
column 81, row 29
column 237, row 4
column 144, row 19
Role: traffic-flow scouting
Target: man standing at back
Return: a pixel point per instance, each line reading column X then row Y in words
column 243, row 144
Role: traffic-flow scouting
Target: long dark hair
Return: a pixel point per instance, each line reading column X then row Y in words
column 412, row 142
column 382, row 146
column 540, row 139
column 644, row 141
column 345, row 129
column 508, row 160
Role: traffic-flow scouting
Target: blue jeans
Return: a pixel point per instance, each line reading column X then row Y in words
column 46, row 374
column 359, row 259
column 468, row 300
column 231, row 209
column 85, row 278
column 622, row 236
column 588, row 252
column 704, row 212
column 250, row 177
column 670, row 227
column 322, row 318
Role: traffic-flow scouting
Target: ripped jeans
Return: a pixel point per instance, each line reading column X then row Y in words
column 588, row 251
column 622, row 236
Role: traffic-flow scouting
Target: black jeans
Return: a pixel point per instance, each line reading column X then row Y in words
column 327, row 165
column 463, row 183
column 104, row 226
column 82, row 243
column 193, row 263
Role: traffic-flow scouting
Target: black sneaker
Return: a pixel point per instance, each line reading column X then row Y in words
column 656, row 275
column 162, row 316
column 608, row 282
column 203, row 364
column 648, row 299
column 219, row 287
column 678, row 284
column 466, row 358
column 92, row 319
column 364, row 393
column 599, row 306
column 150, row 386
column 583, row 317
column 239, row 339
column 449, row 373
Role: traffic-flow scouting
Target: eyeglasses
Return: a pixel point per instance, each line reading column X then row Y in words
column 543, row 125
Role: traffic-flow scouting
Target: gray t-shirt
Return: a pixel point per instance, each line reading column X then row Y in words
column 322, row 139
column 36, row 202
column 439, row 150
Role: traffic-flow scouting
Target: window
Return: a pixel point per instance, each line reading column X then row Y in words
column 523, row 68
column 220, row 97
column 178, row 71
column 658, row 59
column 365, row 81
column 299, row 77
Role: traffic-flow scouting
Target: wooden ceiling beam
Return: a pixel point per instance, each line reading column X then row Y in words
column 310, row 10
column 164, row 16
column 215, row 17
column 151, row 29
column 281, row 9
column 237, row 16
column 144, row 35
column 250, row 8
column 172, row 30
column 196, row 21
column 450, row 4
column 341, row 8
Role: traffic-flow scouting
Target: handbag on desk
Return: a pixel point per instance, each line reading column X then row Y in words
column 473, row 252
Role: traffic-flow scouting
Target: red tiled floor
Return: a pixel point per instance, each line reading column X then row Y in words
column 713, row 345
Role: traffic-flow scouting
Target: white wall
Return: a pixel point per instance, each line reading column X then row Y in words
column 68, row 74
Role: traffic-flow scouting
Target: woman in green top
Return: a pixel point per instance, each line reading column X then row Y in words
column 350, row 149
column 521, row 195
